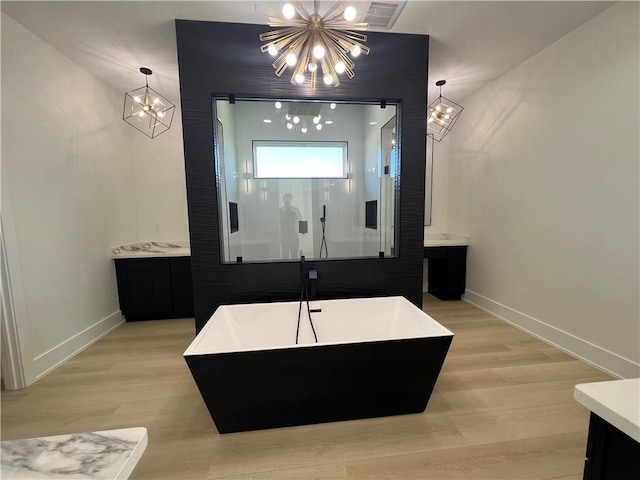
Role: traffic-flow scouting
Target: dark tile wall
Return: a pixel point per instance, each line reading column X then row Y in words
column 225, row 59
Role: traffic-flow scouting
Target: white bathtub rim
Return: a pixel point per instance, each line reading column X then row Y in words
column 193, row 350
column 309, row 345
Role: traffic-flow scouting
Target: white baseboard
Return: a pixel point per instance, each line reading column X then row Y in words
column 602, row 359
column 56, row 356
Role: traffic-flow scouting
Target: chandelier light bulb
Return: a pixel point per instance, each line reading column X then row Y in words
column 438, row 108
column 447, row 116
column 291, row 59
column 146, row 108
column 288, row 11
column 332, row 106
column 319, row 126
column 287, row 116
column 299, row 78
column 305, row 37
column 349, row 14
column 289, row 126
column 161, row 114
column 296, row 119
column 303, row 129
column 328, row 122
column 156, row 101
column 318, row 51
column 141, row 114
column 278, row 105
column 137, row 99
column 316, row 119
column 449, row 110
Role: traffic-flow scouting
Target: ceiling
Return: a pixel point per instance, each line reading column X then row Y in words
column 471, row 43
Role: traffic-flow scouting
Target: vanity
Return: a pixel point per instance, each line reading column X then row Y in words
column 102, row 455
column 613, row 445
column 447, row 256
column 154, row 280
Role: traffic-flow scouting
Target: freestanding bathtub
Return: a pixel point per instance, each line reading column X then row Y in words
column 374, row 357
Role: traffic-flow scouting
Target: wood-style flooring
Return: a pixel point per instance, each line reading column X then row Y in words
column 502, row 408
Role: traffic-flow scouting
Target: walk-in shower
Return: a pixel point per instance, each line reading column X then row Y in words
column 298, row 178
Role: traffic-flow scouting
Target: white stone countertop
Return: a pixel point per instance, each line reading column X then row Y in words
column 181, row 248
column 109, row 454
column 444, row 239
column 616, row 401
column 151, row 249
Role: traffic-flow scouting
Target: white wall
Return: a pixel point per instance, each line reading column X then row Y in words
column 68, row 194
column 160, row 182
column 544, row 177
column 439, row 183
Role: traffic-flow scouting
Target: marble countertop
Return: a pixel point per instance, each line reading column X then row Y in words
column 151, row 249
column 616, row 401
column 444, row 239
column 109, row 454
column 181, row 248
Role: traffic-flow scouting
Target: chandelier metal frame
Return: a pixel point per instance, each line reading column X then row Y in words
column 147, row 110
column 442, row 115
column 300, row 38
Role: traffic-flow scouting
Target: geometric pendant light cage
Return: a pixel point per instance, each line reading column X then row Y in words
column 147, row 110
column 442, row 115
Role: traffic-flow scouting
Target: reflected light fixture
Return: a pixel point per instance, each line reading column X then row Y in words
column 305, row 116
column 442, row 114
column 313, row 44
column 147, row 110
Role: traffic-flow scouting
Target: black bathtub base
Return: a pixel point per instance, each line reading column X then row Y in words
column 316, row 384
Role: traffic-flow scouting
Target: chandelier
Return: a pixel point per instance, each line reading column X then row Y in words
column 311, row 43
column 147, row 110
column 442, row 114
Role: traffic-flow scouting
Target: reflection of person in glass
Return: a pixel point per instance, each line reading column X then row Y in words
column 289, row 218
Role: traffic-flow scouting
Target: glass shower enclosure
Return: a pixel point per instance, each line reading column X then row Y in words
column 306, row 178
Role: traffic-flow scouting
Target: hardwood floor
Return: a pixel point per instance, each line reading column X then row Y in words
column 503, row 408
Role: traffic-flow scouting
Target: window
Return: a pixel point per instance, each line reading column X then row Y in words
column 294, row 159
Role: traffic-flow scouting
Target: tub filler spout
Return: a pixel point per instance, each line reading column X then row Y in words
column 307, row 276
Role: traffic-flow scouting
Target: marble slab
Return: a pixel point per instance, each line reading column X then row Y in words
column 151, row 249
column 444, row 239
column 615, row 401
column 108, row 454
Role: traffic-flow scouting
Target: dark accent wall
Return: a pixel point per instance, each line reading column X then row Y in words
column 225, row 58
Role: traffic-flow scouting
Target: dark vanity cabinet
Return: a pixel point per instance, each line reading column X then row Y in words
column 611, row 453
column 447, row 271
column 154, row 288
